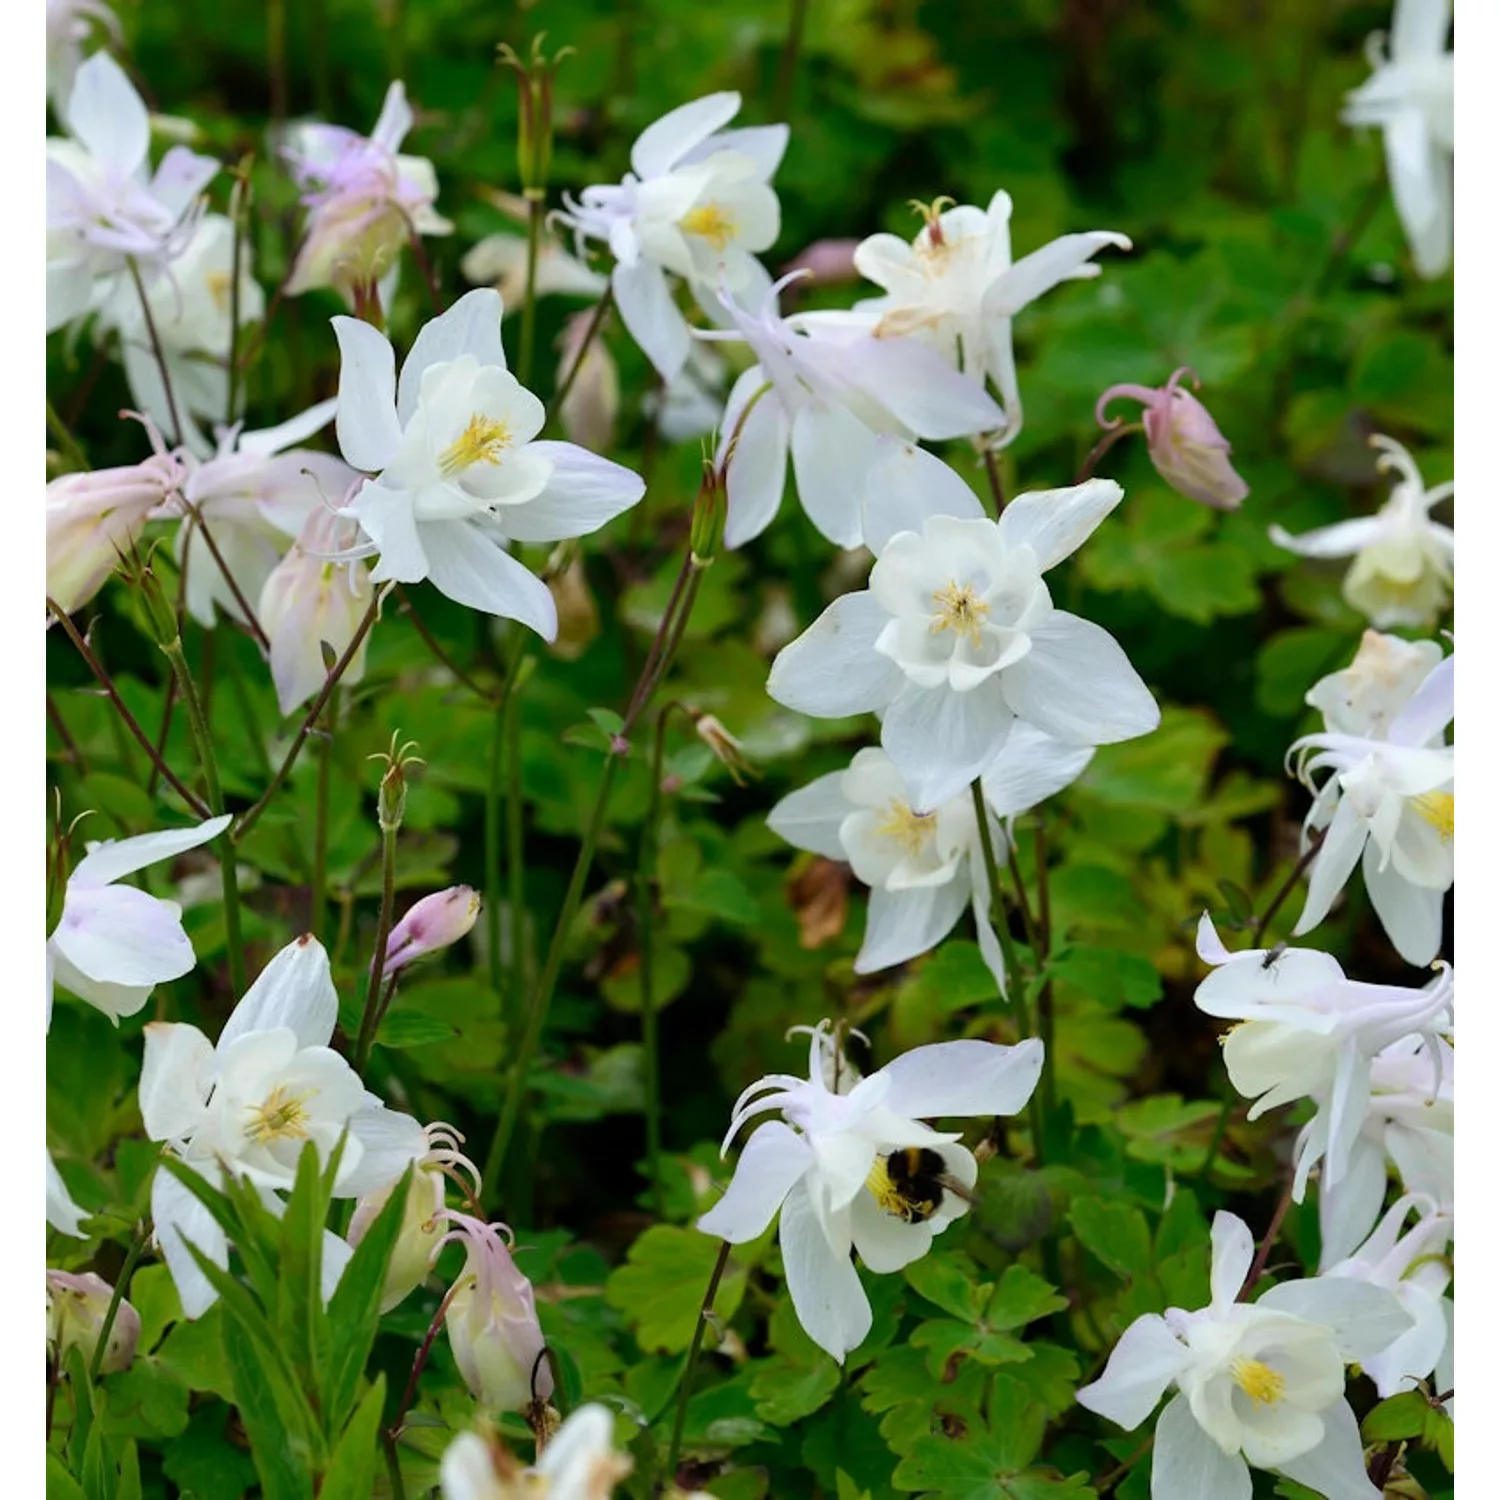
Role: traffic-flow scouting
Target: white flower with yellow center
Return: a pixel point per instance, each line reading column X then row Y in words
column 1257, row 1384
column 459, row 475
column 955, row 287
column 956, row 637
column 1388, row 806
column 923, row 869
column 697, row 203
column 249, row 1105
column 1402, row 572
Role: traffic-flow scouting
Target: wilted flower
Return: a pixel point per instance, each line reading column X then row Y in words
column 71, row 23
column 63, row 1214
column 956, row 636
column 76, row 1309
column 1402, row 572
column 1367, row 696
column 1410, row 97
column 859, row 1170
column 460, row 476
column 115, row 943
column 250, row 1103
column 1258, row 1384
column 436, row 921
column 1184, row 441
column 492, row 1324
column 955, row 288
column 366, row 201
column 923, row 870
column 697, row 203
column 580, row 1462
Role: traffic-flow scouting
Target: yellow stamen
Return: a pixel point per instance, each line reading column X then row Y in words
column 892, row 1199
column 280, row 1118
column 1437, row 808
column 218, row 283
column 481, row 442
column 1258, row 1381
column 959, row 611
column 904, row 827
column 710, row 222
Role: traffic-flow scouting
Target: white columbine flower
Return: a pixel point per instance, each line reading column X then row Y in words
column 249, row 1104
column 697, row 203
column 580, row 1462
column 1307, row 1032
column 956, row 636
column 1414, row 1267
column 1389, row 807
column 459, row 476
column 955, row 287
column 821, row 391
column 827, row 1166
column 1365, row 698
column 923, row 869
column 115, row 943
column 104, row 205
column 1258, row 1384
column 1410, row 97
column 1402, row 572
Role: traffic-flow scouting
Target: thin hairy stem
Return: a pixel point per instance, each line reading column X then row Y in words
column 690, row 1369
column 158, row 352
column 595, row 323
column 1258, row 935
column 371, row 1017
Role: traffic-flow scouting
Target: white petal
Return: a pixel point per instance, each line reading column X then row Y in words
column 368, row 431
column 1055, row 523
column 470, row 326
column 1347, row 1214
column 1210, row 945
column 295, row 990
column 1233, row 1252
column 268, row 440
column 1064, row 259
column 832, row 668
column 174, row 1079
column 831, row 450
column 178, row 1216
column 1412, row 915
column 1365, row 1319
column 1342, row 843
column 764, row 144
column 110, row 860
column 1147, row 1359
column 389, row 518
column 902, row 924
column 337, row 1254
column 63, row 1214
column 1188, row 1462
column 1031, row 767
column 1428, row 711
column 809, row 818
column 1078, row 685
column 468, row 565
column 905, row 485
column 963, row 1078
column 653, row 319
column 119, row 935
column 921, row 389
column 663, row 143
column 115, row 1000
column 886, row 1243
column 772, row 1163
column 107, row 116
column 826, row 1293
column 1342, row 539
column 941, row 740
column 395, row 118
column 757, row 467
column 1336, row 1467
column 573, row 1453
column 584, row 493
column 389, row 1142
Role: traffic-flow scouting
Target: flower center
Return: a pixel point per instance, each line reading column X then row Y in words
column 1258, row 1381
column 908, row 1184
column 282, row 1117
column 481, row 442
column 960, row 610
column 904, row 827
column 709, row 222
column 1437, row 808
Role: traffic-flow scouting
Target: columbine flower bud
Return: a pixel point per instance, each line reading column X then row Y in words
column 534, row 133
column 830, row 262
column 390, row 800
column 417, row 1240
column 436, row 921
column 1185, row 444
column 159, row 608
column 76, row 1309
column 710, row 507
column 492, row 1323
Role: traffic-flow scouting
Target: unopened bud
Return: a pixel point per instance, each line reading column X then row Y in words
column 710, row 507
column 77, row 1306
column 159, row 609
column 390, row 802
column 417, row 1241
column 534, row 130
column 436, row 921
column 726, row 748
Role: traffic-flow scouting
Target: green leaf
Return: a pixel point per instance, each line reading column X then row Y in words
column 153, row 1294
column 660, row 1287
column 948, row 1281
column 60, row 1483
column 203, row 1463
column 1108, row 976
column 300, row 1319
column 194, row 1352
column 1021, row 1298
column 146, row 1401
column 1402, row 1416
column 1115, row 1233
column 281, row 1463
column 351, row 1471
column 977, row 1468
column 410, row 1028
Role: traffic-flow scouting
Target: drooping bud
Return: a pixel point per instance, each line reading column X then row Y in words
column 436, row 921
column 1184, row 442
column 77, row 1306
column 492, row 1323
column 829, row 262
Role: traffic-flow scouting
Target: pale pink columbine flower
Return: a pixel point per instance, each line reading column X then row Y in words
column 94, row 519
column 366, row 200
column 77, row 1306
column 310, row 599
column 1184, row 441
column 436, row 921
column 492, row 1323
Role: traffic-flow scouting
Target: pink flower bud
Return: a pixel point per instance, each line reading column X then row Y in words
column 76, row 1309
column 830, row 261
column 492, row 1323
column 1185, row 444
column 434, row 922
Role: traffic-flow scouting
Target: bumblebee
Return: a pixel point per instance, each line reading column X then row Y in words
column 910, row 1183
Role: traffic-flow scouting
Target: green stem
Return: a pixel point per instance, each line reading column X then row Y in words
column 675, row 1450
column 1217, row 1139
column 492, row 853
column 203, row 740
column 515, row 852
column 534, row 201
column 786, row 73
column 122, row 1282
column 70, row 447
column 371, row 1017
column 318, row 904
column 997, row 485
column 393, row 1466
column 156, row 349
column 238, row 212
column 1046, row 1019
column 1110, row 438
column 1258, row 935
